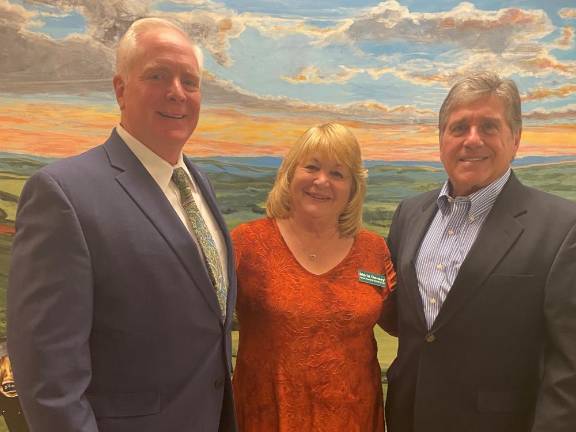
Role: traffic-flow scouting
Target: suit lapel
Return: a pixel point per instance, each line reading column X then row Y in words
column 497, row 236
column 144, row 191
column 418, row 227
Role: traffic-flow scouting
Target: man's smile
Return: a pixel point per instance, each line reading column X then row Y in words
column 171, row 115
column 474, row 159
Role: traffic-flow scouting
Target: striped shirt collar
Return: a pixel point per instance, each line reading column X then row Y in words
column 480, row 202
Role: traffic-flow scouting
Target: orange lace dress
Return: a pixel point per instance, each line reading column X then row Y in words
column 307, row 354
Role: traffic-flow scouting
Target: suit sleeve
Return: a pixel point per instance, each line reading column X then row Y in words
column 394, row 234
column 389, row 318
column 556, row 406
column 50, row 310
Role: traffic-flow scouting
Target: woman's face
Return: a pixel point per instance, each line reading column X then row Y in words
column 320, row 188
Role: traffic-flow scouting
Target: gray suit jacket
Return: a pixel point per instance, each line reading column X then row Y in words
column 113, row 323
column 501, row 355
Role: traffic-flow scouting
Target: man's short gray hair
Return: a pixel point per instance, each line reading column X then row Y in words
column 477, row 86
column 128, row 44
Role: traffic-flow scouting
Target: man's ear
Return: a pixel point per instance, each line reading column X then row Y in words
column 517, row 137
column 119, row 87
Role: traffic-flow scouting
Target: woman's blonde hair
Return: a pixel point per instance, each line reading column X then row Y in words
column 335, row 141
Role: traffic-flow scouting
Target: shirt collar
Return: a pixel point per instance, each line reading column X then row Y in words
column 480, row 202
column 158, row 168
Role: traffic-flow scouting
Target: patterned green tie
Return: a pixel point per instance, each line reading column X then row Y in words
column 182, row 181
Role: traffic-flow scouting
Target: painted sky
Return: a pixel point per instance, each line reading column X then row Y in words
column 275, row 67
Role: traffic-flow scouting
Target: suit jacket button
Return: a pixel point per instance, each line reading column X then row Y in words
column 218, row 383
column 430, row 337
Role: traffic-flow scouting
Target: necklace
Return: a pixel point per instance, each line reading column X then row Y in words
column 311, row 253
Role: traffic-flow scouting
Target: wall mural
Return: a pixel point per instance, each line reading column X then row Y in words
column 274, row 68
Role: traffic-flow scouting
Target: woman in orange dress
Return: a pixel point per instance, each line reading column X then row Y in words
column 312, row 283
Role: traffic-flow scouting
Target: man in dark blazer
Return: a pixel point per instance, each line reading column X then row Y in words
column 486, row 293
column 114, row 323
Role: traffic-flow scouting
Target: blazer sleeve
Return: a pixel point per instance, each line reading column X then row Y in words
column 394, row 234
column 50, row 310
column 389, row 318
column 556, row 406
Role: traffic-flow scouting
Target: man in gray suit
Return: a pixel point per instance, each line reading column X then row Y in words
column 486, row 293
column 122, row 284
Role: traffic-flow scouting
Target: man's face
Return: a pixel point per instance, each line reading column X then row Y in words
column 159, row 96
column 477, row 145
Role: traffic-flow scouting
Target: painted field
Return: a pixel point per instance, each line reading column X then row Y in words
column 242, row 185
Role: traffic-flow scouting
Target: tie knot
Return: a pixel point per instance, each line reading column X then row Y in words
column 181, row 179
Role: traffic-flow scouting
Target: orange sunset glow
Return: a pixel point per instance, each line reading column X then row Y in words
column 58, row 130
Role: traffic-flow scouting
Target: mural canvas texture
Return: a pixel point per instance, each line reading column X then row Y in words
column 274, row 68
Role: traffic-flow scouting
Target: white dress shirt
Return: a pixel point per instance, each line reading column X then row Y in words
column 161, row 172
column 448, row 240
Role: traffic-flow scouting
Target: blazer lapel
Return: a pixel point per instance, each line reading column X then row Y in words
column 144, row 191
column 418, row 227
column 500, row 231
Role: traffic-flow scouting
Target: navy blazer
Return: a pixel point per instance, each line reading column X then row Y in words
column 113, row 322
column 501, row 354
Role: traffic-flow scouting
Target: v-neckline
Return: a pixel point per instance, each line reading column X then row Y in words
column 293, row 257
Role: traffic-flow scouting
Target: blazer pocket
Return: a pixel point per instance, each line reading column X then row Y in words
column 513, row 282
column 512, row 276
column 501, row 402
column 125, row 404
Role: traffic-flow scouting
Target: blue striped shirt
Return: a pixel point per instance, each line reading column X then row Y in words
column 448, row 241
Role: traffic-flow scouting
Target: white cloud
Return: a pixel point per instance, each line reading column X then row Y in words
column 276, row 27
column 35, row 58
column 108, row 20
column 567, row 112
column 565, row 41
column 567, row 13
column 540, row 93
column 212, row 31
column 220, row 92
column 312, row 75
column 464, row 26
column 507, row 40
column 15, row 16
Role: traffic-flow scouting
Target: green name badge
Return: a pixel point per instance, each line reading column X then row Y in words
column 372, row 278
